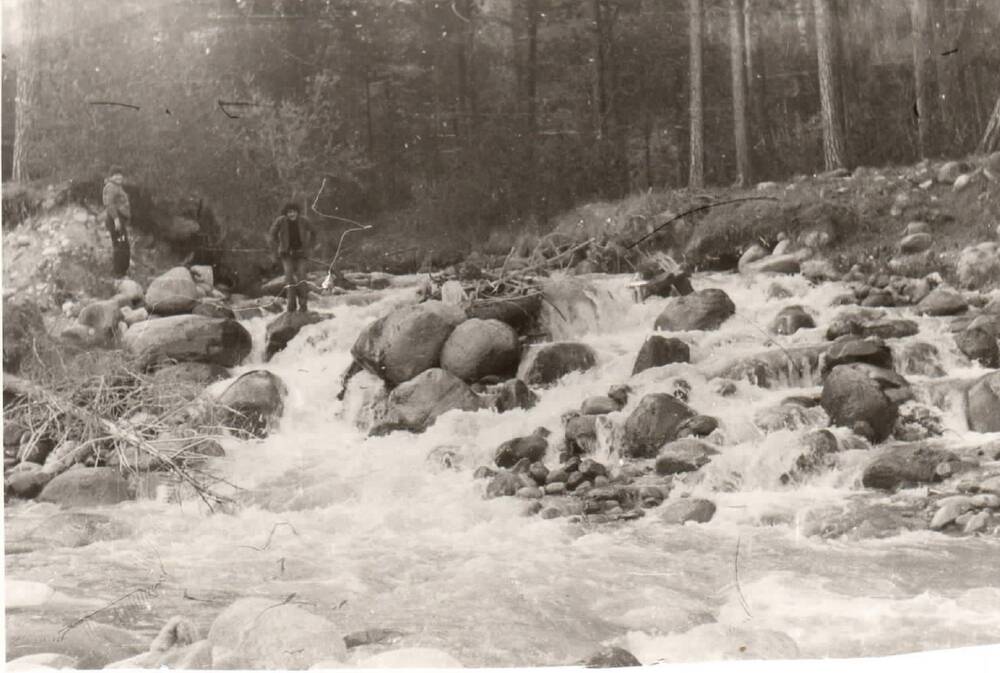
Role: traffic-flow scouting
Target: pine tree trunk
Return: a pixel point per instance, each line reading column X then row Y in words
column 531, row 94
column 921, row 37
column 696, row 176
column 26, row 89
column 600, row 101
column 834, row 154
column 756, row 92
column 737, row 52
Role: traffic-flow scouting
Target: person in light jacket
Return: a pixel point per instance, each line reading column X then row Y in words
column 292, row 236
column 118, row 216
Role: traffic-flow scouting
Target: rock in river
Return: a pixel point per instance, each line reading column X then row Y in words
column 983, row 404
column 408, row 341
column 904, row 466
column 416, row 404
column 547, row 363
column 254, row 402
column 853, row 397
column 87, row 487
column 286, row 327
column 654, row 423
column 478, row 348
column 658, row 350
column 188, row 338
column 701, row 310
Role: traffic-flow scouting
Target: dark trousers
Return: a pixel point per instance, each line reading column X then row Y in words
column 121, row 254
column 296, row 289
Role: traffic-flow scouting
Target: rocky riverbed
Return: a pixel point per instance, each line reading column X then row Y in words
column 751, row 470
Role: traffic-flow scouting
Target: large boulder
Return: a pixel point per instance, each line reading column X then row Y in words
column 846, row 350
column 286, row 327
column 408, row 341
column 478, row 348
column 547, row 363
column 254, row 402
column 979, row 345
column 172, row 293
column 983, row 404
column 188, row 338
column 417, row 403
column 684, row 455
column 87, row 487
column 701, row 310
column 653, row 423
column 942, row 301
column 658, row 350
column 853, row 397
column 272, row 633
column 979, row 266
column 904, row 466
column 791, row 319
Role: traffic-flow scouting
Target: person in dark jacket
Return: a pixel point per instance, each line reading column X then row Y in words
column 292, row 237
column 118, row 216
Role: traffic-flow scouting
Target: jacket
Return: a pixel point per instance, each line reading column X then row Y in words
column 116, row 201
column 278, row 235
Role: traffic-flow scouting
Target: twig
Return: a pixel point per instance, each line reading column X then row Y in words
column 739, row 588
column 267, row 543
column 141, row 590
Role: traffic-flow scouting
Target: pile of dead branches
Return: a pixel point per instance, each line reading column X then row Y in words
column 95, row 409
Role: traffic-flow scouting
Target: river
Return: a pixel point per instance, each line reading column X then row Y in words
column 377, row 533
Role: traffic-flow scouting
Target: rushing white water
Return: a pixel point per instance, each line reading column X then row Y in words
column 377, row 533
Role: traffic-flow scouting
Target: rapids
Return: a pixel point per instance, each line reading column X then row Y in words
column 377, row 533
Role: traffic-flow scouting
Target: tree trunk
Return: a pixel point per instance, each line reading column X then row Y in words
column 991, row 138
column 531, row 96
column 737, row 52
column 921, row 37
column 756, row 92
column 834, row 154
column 600, row 96
column 696, row 175
column 26, row 88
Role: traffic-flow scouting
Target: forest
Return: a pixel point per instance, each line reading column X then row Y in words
column 464, row 117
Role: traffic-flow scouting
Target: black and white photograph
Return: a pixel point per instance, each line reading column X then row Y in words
column 501, row 334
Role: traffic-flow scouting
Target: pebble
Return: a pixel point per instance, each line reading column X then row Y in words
column 551, row 513
column 555, row 488
column 530, row 492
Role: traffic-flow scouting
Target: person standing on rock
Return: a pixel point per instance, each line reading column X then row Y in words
column 117, row 218
column 292, row 236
